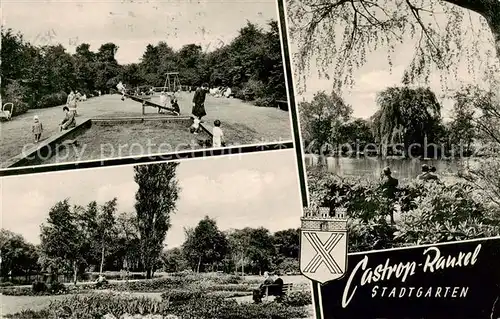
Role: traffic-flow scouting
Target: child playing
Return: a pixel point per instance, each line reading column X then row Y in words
column 175, row 106
column 37, row 129
column 218, row 135
column 195, row 128
column 163, row 101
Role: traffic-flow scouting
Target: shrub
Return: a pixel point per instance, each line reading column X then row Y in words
column 51, row 100
column 427, row 212
column 16, row 94
column 17, row 291
column 176, row 296
column 39, row 287
column 220, row 308
column 289, row 265
column 6, row 284
column 265, row 102
column 97, row 305
column 30, row 314
column 297, row 299
column 57, row 288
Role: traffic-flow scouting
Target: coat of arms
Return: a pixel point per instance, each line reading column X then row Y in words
column 323, row 255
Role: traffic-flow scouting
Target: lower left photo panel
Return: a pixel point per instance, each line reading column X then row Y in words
column 200, row 238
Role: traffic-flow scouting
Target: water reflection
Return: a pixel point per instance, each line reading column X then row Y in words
column 371, row 167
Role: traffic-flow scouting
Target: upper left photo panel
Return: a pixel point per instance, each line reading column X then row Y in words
column 89, row 81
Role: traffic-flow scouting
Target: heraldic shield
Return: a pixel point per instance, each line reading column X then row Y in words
column 323, row 244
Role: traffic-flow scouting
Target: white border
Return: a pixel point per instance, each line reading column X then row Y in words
column 176, row 156
column 294, row 80
column 304, row 173
column 178, row 160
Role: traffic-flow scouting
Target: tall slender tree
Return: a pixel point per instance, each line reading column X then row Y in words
column 156, row 200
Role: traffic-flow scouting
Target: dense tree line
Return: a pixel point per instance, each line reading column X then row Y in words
column 247, row 250
column 408, row 121
column 206, row 248
column 41, row 76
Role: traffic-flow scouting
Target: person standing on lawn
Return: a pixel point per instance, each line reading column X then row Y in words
column 199, row 101
column 71, row 101
column 37, row 129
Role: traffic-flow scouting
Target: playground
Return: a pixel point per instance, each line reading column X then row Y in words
column 242, row 123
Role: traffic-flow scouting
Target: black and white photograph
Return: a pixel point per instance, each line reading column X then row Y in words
column 93, row 80
column 399, row 117
column 206, row 238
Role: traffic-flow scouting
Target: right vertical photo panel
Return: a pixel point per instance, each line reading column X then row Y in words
column 399, row 122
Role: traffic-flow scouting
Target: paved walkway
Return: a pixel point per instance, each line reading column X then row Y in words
column 269, row 124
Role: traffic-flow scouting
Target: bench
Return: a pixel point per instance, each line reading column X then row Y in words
column 273, row 290
column 282, row 105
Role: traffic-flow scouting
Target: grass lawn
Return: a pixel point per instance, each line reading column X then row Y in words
column 129, row 140
column 242, row 122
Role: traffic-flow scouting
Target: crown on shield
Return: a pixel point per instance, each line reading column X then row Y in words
column 321, row 219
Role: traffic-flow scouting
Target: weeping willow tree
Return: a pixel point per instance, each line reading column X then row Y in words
column 342, row 33
column 412, row 116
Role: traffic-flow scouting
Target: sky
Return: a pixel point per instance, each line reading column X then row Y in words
column 251, row 190
column 132, row 25
column 375, row 75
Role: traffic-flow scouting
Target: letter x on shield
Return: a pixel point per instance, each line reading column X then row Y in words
column 323, row 251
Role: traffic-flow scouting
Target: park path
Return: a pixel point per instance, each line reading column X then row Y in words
column 270, row 124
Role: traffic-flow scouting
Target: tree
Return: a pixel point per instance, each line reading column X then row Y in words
column 105, row 227
column 205, row 245
column 413, row 114
column 357, row 132
column 239, row 242
column 156, row 200
column 462, row 130
column 486, row 120
column 128, row 244
column 351, row 30
column 173, row 260
column 61, row 237
column 288, row 242
column 321, row 120
column 18, row 256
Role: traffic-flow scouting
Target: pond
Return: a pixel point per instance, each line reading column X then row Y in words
column 372, row 167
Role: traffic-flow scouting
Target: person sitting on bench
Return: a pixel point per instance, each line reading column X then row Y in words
column 69, row 119
column 273, row 284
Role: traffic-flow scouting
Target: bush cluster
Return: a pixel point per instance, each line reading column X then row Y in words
column 50, row 100
column 425, row 212
column 98, row 305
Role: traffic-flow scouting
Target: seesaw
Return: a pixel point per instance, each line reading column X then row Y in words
column 149, row 103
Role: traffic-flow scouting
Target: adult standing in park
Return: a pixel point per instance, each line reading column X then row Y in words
column 389, row 186
column 199, row 101
column 71, row 101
